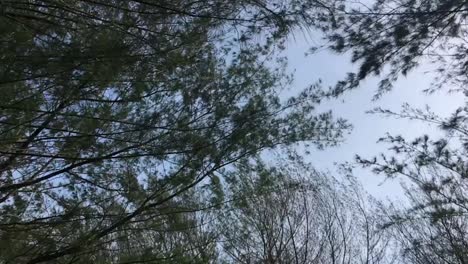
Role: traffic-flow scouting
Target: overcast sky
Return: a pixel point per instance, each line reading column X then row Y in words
column 367, row 128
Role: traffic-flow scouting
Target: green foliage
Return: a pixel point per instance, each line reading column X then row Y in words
column 112, row 111
column 391, row 38
column 433, row 228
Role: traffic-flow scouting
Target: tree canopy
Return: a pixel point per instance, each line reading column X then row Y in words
column 148, row 131
column 112, row 110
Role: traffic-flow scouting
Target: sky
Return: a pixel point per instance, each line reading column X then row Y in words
column 367, row 128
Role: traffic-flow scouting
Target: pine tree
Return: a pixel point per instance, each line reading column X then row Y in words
column 432, row 228
column 111, row 111
column 390, row 38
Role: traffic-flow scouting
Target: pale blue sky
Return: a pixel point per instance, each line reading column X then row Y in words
column 367, row 128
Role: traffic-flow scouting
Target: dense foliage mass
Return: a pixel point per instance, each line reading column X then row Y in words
column 137, row 132
column 112, row 111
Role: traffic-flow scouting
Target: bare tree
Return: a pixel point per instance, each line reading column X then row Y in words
column 294, row 214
